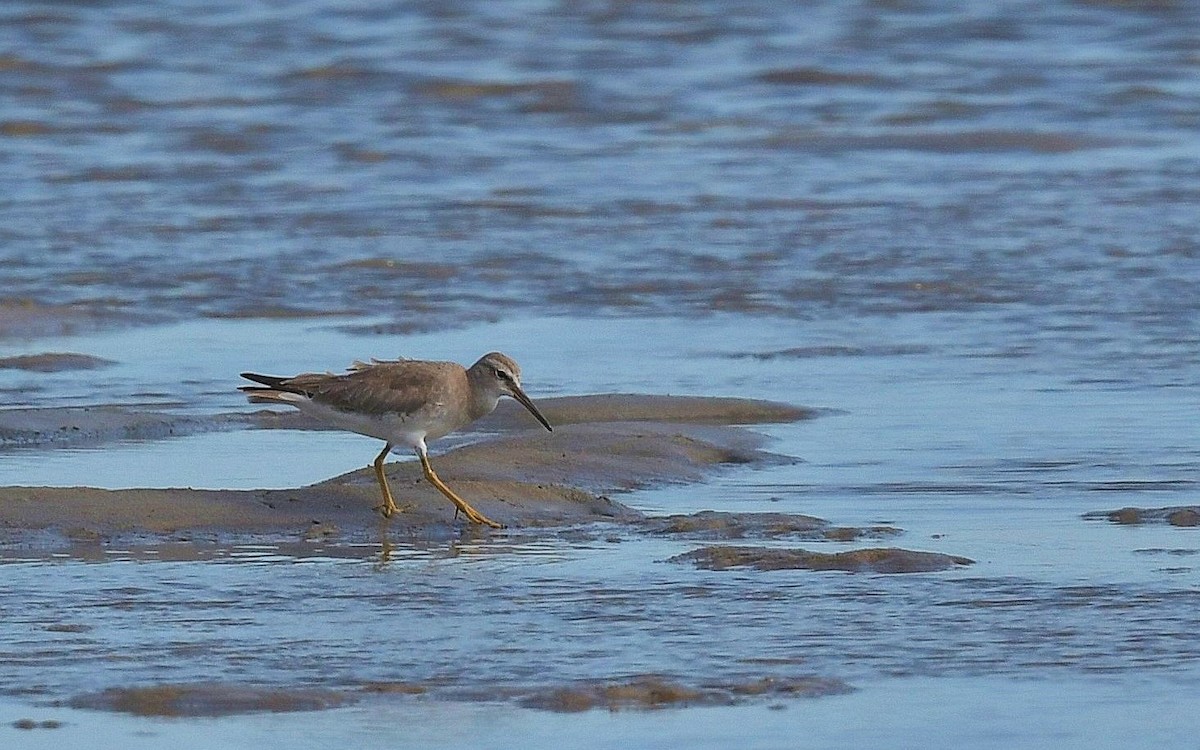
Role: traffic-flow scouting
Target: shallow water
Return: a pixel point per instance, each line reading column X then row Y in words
column 969, row 233
column 1078, row 714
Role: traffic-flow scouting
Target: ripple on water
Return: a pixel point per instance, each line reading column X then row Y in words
column 538, row 618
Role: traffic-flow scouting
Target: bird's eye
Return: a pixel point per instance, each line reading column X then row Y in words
column 500, row 374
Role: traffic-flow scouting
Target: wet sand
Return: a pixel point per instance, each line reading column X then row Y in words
column 522, row 478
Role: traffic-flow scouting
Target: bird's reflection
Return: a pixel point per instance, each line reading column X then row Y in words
column 469, row 540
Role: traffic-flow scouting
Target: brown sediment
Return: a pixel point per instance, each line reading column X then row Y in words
column 1180, row 515
column 649, row 692
column 209, row 699
column 878, row 560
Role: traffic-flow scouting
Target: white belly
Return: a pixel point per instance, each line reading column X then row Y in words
column 392, row 428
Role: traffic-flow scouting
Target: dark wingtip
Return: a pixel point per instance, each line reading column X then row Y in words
column 270, row 381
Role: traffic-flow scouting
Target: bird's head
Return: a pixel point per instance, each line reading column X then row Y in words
column 502, row 376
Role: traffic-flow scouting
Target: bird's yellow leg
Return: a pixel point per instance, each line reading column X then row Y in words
column 472, row 515
column 389, row 505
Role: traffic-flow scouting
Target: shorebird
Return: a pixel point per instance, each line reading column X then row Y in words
column 401, row 402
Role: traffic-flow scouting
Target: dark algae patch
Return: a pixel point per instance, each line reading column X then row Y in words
column 643, row 692
column 1180, row 515
column 637, row 693
column 395, row 687
column 29, row 724
column 651, row 692
column 877, row 560
column 53, row 362
column 711, row 524
column 208, row 699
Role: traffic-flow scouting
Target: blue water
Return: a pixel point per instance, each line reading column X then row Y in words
column 968, row 232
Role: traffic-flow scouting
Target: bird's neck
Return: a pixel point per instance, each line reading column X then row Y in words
column 482, row 405
column 483, row 400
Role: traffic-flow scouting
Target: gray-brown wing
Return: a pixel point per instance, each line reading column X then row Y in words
column 386, row 387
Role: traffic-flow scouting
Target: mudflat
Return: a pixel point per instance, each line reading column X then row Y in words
column 601, row 445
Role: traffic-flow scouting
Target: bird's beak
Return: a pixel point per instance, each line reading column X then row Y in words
column 519, row 395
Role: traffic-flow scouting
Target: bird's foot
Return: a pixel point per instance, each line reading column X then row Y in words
column 389, row 509
column 475, row 516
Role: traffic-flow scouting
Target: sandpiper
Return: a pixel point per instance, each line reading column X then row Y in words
column 401, row 402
